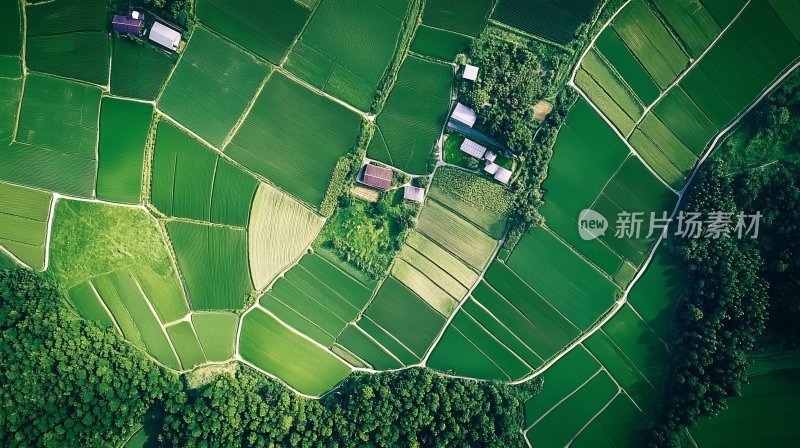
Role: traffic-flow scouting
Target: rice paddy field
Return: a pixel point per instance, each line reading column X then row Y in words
column 124, row 126
column 213, row 264
column 217, row 334
column 266, row 28
column 449, row 26
column 191, row 181
column 10, row 40
column 138, row 71
column 294, row 137
column 333, row 55
column 412, row 119
column 68, row 38
column 23, row 223
column 280, row 231
column 449, row 230
column 555, row 21
column 229, row 78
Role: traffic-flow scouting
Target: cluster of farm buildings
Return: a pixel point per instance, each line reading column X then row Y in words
column 133, row 25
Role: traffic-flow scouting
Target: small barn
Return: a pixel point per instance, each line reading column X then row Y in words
column 414, row 194
column 472, row 148
column 490, row 156
column 376, row 176
column 491, row 167
column 470, row 72
column 502, row 175
column 131, row 24
column 165, row 36
column 465, row 115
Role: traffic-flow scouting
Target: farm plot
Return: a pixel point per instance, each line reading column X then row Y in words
column 316, row 298
column 723, row 11
column 333, row 55
column 765, row 415
column 412, row 119
column 228, row 77
column 213, row 261
column 124, row 126
column 68, row 38
column 267, row 28
column 23, row 223
column 57, row 137
column 586, row 154
column 294, row 137
column 405, row 317
column 573, row 287
column 90, row 239
column 650, row 42
column 682, row 116
column 10, row 90
column 10, row 40
column 656, row 292
column 555, row 21
column 695, row 26
column 448, row 27
column 619, row 425
column 625, row 63
column 186, row 345
column 755, row 49
column 191, row 181
column 663, row 151
column 216, row 333
column 484, row 203
column 269, row 345
column 609, row 92
column 138, row 71
column 280, row 230
column 450, row 231
column 131, row 313
column 359, row 344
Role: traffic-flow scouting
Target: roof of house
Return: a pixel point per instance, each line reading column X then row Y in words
column 126, row 25
column 165, row 36
column 378, row 177
column 502, row 175
column 470, row 72
column 473, row 149
column 491, row 167
column 490, row 156
column 465, row 115
column 415, row 194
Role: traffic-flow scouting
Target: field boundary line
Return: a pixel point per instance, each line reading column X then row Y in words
column 594, row 418
column 246, row 113
column 375, row 341
column 14, row 257
column 158, row 319
column 491, row 314
column 496, row 339
column 394, row 337
column 611, row 375
column 103, row 304
column 630, row 305
column 488, row 358
column 561, row 401
column 312, row 13
column 172, row 72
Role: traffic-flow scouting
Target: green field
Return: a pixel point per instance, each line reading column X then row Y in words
column 425, row 247
column 293, row 137
column 124, row 126
column 651, row 42
column 280, row 231
column 68, row 38
column 217, row 334
column 191, row 181
column 686, row 120
column 23, row 223
column 186, row 345
column 138, row 71
column 228, row 77
column 765, row 415
column 609, row 92
column 663, row 151
column 213, row 262
column 10, row 90
column 303, row 365
column 405, row 316
column 267, row 28
column 625, row 63
column 756, row 48
column 333, row 55
column 619, row 425
column 358, row 343
column 91, row 239
column 450, row 230
column 656, row 292
column 440, row 44
column 412, row 119
column 695, row 26
column 10, row 40
column 431, row 286
column 555, row 21
column 448, row 27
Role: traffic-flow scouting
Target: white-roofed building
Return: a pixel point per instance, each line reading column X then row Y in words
column 491, row 167
column 470, row 72
column 464, row 115
column 474, row 149
column 490, row 156
column 414, row 194
column 502, row 175
column 165, row 36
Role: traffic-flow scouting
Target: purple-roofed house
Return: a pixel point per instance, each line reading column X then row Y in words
column 132, row 24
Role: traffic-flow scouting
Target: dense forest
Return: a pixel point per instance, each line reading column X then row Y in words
column 69, row 382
